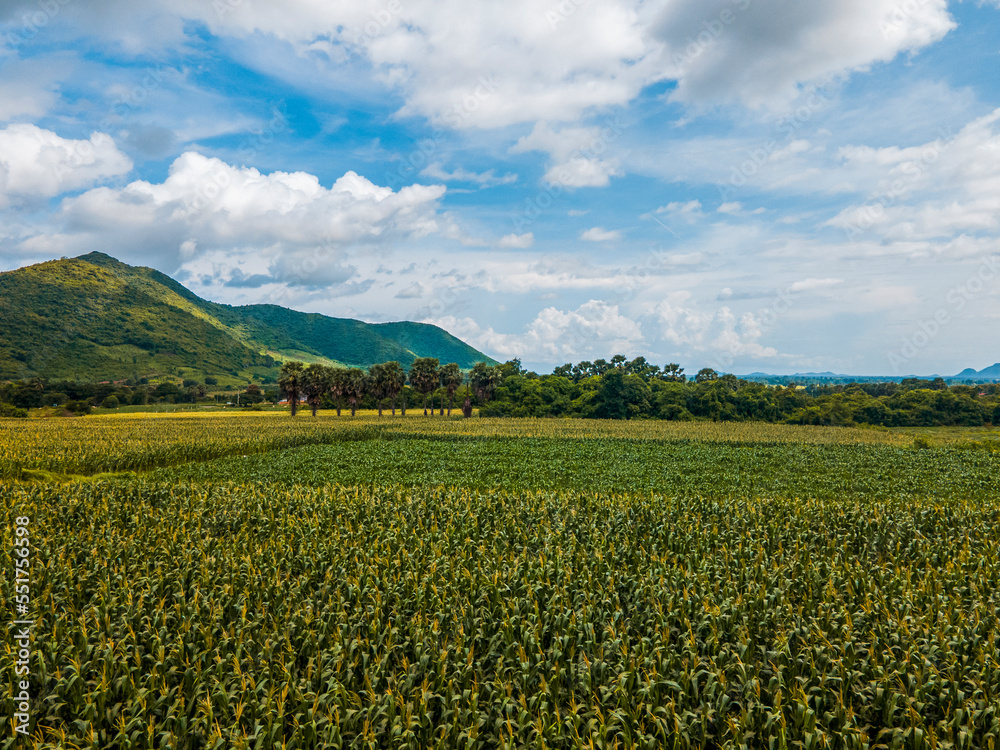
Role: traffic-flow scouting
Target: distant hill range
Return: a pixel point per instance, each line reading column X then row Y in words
column 989, row 373
column 805, row 378
column 95, row 318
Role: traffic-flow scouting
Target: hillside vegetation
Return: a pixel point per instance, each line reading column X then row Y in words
column 95, row 318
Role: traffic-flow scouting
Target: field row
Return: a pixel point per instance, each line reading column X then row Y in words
column 242, row 617
column 137, row 442
column 606, row 465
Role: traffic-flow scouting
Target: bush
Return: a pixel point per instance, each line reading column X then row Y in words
column 111, row 402
column 9, row 411
column 211, row 381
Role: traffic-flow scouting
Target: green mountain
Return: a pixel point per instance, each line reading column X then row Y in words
column 95, row 318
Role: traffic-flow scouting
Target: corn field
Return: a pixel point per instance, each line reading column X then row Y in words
column 259, row 611
column 137, row 442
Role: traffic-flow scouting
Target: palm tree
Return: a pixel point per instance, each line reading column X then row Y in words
column 355, row 388
column 377, row 382
column 338, row 387
column 290, row 381
column 315, row 384
column 395, row 378
column 424, row 377
column 452, row 379
column 484, row 380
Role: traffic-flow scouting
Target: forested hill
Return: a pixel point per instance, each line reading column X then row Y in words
column 95, row 318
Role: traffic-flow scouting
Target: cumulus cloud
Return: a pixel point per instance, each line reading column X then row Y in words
column 593, row 329
column 718, row 332
column 938, row 190
column 478, row 64
column 577, row 154
column 37, row 163
column 206, row 204
column 517, row 240
column 762, row 52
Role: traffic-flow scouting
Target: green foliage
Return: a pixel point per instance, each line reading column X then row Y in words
column 7, row 411
column 252, row 614
column 631, row 390
column 424, row 377
column 292, row 380
column 604, row 464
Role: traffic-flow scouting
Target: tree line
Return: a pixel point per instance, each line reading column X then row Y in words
column 618, row 388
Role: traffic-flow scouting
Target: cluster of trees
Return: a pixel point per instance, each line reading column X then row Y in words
column 622, row 389
column 81, row 398
column 385, row 383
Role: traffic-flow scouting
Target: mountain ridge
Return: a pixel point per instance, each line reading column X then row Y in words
column 94, row 317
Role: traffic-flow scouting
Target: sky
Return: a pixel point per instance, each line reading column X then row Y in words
column 749, row 185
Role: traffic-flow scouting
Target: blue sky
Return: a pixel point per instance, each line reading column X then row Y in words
column 775, row 185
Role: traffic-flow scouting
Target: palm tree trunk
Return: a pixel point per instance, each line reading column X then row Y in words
column 380, row 407
column 451, row 402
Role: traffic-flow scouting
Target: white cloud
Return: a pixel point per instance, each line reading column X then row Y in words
column 809, row 285
column 761, row 52
column 480, row 64
column 599, row 234
column 593, row 329
column 486, row 179
column 517, row 240
column 719, row 332
column 689, row 211
column 205, row 204
column 938, row 190
column 37, row 163
column 27, row 87
column 576, row 152
column 544, row 67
